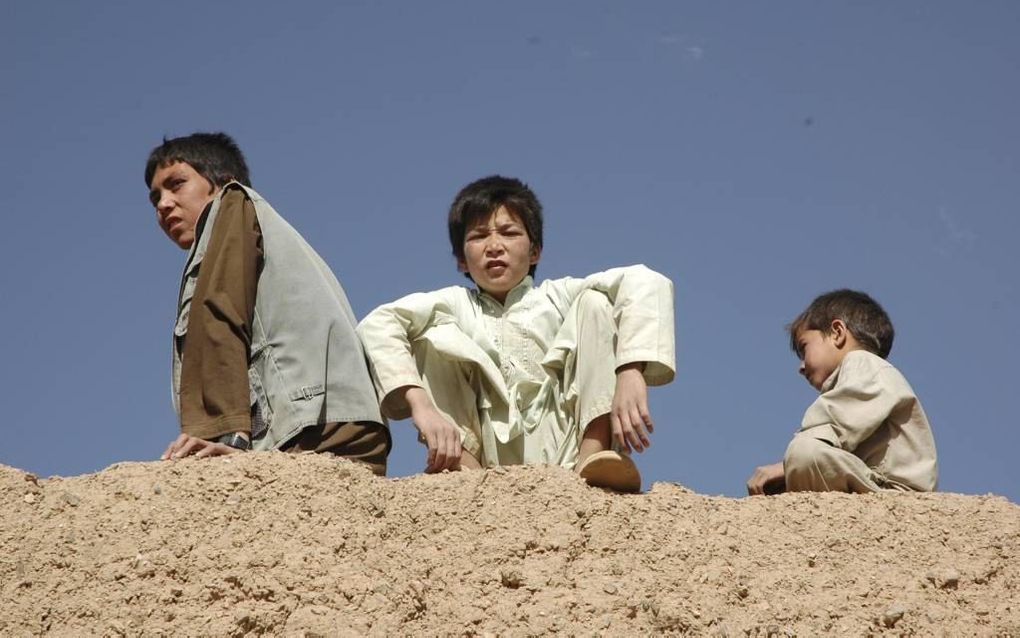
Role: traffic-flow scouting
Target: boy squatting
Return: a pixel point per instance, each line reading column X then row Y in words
column 866, row 431
column 509, row 372
column 264, row 349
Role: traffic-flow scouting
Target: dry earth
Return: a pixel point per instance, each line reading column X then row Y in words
column 312, row 545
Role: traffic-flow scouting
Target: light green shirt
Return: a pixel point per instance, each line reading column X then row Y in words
column 520, row 346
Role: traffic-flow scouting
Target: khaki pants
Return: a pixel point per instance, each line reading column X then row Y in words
column 588, row 381
column 814, row 465
column 366, row 442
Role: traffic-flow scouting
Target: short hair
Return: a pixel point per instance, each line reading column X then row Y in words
column 863, row 316
column 214, row 156
column 482, row 197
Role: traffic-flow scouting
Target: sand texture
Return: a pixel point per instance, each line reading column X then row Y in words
column 305, row 545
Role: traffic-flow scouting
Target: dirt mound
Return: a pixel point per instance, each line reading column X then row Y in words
column 312, row 545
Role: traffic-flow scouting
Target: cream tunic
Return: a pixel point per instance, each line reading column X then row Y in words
column 867, row 409
column 521, row 352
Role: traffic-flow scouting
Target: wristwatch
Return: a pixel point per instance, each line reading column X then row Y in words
column 235, row 440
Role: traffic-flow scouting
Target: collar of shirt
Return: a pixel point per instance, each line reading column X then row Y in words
column 516, row 294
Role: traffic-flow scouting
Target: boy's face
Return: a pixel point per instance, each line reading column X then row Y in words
column 820, row 355
column 498, row 253
column 180, row 195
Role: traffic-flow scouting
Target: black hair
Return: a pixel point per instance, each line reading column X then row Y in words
column 863, row 316
column 481, row 198
column 214, row 156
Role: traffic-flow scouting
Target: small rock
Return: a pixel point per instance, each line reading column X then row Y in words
column 71, row 499
column 609, row 588
column 30, row 498
column 893, row 615
column 945, row 579
column 156, row 489
column 233, row 499
column 510, row 578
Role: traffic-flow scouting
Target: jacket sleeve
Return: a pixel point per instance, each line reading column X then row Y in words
column 857, row 406
column 643, row 311
column 215, row 394
column 387, row 333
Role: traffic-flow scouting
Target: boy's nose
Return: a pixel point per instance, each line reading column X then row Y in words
column 164, row 205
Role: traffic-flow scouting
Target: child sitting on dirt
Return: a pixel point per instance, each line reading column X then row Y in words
column 509, row 372
column 264, row 350
column 867, row 431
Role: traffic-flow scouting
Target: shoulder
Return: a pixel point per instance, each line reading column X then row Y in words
column 449, row 294
column 864, row 365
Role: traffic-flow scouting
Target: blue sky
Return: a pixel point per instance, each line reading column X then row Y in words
column 756, row 153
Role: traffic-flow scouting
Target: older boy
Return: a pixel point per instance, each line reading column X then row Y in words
column 510, row 372
column 264, row 352
column 867, row 431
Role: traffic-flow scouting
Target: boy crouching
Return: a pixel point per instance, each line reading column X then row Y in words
column 866, row 431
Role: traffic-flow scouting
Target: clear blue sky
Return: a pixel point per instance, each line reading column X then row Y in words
column 756, row 153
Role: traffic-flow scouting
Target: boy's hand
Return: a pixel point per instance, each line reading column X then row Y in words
column 767, row 479
column 441, row 436
column 629, row 414
column 187, row 445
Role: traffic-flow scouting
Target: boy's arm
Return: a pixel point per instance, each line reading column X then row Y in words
column 857, row 406
column 387, row 333
column 642, row 302
column 215, row 395
column 643, row 311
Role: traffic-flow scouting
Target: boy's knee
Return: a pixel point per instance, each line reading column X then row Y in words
column 804, row 453
column 592, row 303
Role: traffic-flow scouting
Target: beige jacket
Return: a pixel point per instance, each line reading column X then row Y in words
column 868, row 408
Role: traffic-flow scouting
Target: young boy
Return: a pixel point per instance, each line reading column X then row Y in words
column 867, row 431
column 510, row 372
column 264, row 352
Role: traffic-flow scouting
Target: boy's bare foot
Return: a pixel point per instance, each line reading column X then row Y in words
column 611, row 470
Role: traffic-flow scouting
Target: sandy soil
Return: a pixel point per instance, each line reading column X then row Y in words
column 312, row 545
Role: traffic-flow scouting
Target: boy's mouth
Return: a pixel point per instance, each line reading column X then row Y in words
column 495, row 264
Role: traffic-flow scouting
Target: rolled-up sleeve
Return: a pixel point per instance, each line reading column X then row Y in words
column 215, row 394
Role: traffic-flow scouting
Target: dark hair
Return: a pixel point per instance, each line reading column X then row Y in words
column 482, row 197
column 214, row 156
column 866, row 320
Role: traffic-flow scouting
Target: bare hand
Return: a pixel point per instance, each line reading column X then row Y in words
column 767, row 479
column 441, row 436
column 187, row 445
column 629, row 416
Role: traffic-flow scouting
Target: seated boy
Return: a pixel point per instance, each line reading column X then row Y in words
column 867, row 431
column 265, row 354
column 510, row 372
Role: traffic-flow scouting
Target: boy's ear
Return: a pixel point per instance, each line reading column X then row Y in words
column 536, row 254
column 461, row 265
column 839, row 333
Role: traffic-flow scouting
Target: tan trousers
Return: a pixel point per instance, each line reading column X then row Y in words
column 813, row 465
column 367, row 443
column 587, row 383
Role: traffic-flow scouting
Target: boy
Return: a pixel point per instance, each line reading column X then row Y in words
column 510, row 372
column 867, row 431
column 264, row 352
